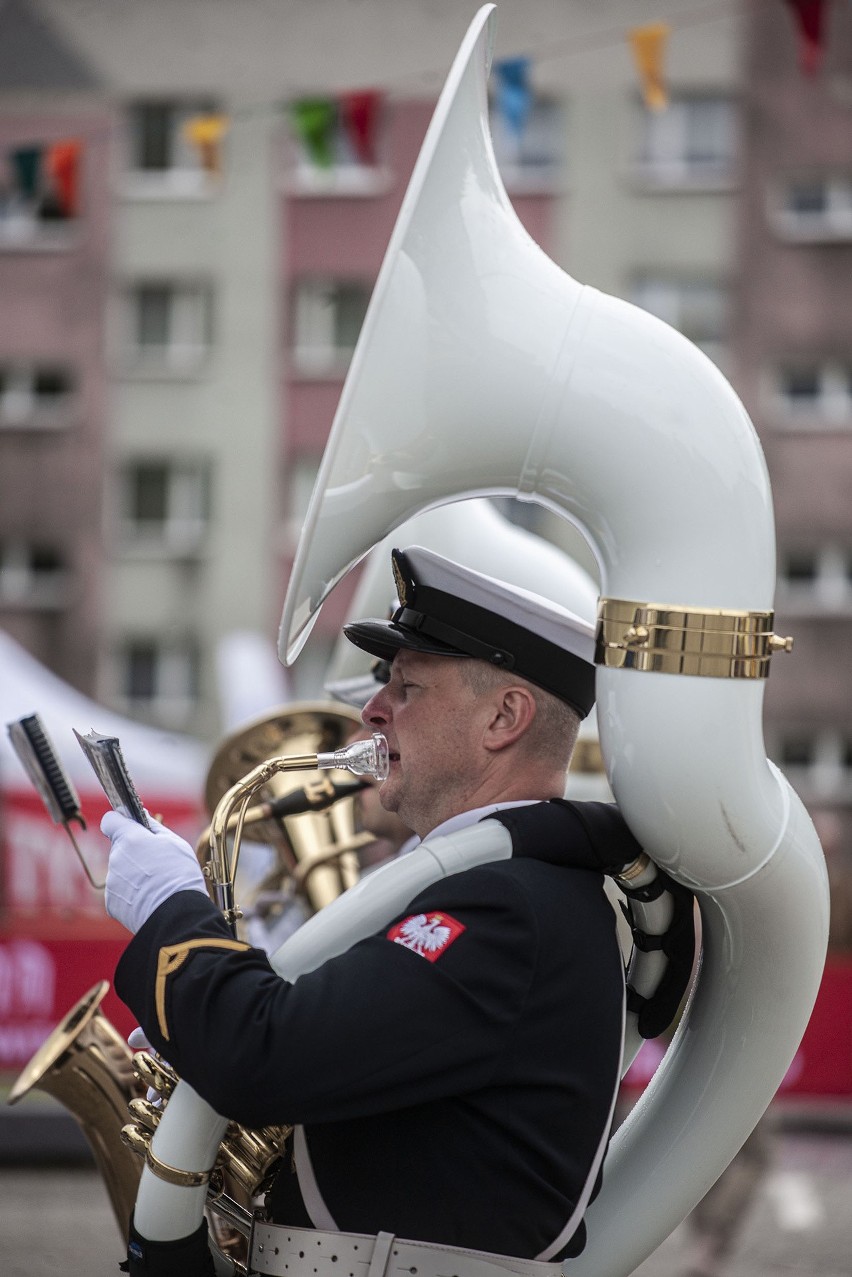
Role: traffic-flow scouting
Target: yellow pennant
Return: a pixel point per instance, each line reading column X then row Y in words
column 649, row 46
column 206, row 132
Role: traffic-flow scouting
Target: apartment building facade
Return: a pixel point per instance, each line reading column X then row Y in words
column 56, row 126
column 237, row 284
column 793, row 341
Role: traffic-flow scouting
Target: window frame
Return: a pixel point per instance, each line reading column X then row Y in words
column 831, row 224
column 176, row 684
column 35, row 411
column 312, row 309
column 829, row 409
column 190, row 340
column 23, row 586
column 185, row 179
column 184, row 529
column 678, row 171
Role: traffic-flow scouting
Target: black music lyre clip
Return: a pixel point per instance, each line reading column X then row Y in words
column 56, row 789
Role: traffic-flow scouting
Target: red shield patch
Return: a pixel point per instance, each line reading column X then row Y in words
column 429, row 934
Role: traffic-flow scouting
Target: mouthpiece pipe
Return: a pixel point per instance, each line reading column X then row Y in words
column 296, row 803
column 362, row 757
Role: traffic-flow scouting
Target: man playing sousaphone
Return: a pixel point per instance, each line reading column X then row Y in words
column 451, row 1079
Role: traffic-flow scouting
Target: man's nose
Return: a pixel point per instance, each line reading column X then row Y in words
column 376, row 712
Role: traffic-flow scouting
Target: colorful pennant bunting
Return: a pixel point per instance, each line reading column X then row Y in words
column 314, row 121
column 62, row 164
column 514, row 95
column 649, row 47
column 360, row 114
column 26, row 166
column 205, row 132
column 809, row 15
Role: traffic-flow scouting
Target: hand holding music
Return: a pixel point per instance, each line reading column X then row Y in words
column 146, row 867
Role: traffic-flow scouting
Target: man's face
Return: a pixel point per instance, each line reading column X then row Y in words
column 433, row 723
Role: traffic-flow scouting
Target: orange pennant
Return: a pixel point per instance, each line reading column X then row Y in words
column 649, row 46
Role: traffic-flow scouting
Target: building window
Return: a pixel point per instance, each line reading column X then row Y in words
column 37, row 396
column 817, row 762
column 530, row 161
column 164, row 161
column 813, row 209
column 327, row 319
column 692, row 144
column 695, row 307
column 33, row 574
column 815, row 579
column 165, row 506
column 170, row 327
column 814, row 394
column 159, row 679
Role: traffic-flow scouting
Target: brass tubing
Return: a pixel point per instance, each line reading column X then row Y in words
column 221, row 868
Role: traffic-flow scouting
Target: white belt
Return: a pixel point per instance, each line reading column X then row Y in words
column 306, row 1252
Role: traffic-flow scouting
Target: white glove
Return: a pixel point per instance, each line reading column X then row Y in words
column 146, row 866
column 137, row 1040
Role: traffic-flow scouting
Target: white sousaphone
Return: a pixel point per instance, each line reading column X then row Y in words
column 483, row 368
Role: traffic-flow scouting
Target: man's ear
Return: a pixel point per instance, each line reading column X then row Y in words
column 513, row 712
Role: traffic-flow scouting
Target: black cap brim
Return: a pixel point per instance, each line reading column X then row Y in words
column 385, row 638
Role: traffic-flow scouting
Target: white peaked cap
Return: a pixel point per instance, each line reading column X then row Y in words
column 447, row 609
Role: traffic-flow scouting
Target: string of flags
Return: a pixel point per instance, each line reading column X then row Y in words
column 318, row 122
column 47, row 176
column 346, row 125
column 649, row 46
column 323, row 123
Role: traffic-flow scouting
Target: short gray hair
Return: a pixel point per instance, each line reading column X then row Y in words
column 556, row 724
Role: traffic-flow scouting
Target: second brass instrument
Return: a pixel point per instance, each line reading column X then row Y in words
column 316, row 849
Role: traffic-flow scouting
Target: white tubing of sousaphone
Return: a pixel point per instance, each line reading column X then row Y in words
column 485, row 368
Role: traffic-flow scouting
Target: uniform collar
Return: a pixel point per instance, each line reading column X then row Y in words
column 465, row 818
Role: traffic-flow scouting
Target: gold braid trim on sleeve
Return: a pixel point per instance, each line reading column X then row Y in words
column 171, row 959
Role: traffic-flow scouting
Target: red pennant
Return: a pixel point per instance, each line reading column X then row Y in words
column 63, row 165
column 360, row 112
column 809, row 16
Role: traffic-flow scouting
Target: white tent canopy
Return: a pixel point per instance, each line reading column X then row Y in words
column 162, row 764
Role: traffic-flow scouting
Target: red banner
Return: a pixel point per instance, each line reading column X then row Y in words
column 41, row 874
column 822, row 1066
column 56, row 940
column 41, row 980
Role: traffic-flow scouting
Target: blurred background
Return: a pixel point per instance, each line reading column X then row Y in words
column 195, row 199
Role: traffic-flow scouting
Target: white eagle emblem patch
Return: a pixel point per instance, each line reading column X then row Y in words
column 429, row 934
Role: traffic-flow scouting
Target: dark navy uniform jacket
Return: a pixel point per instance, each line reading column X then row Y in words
column 454, row 1073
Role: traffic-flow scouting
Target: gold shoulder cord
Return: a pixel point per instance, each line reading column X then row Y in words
column 170, row 959
column 668, row 639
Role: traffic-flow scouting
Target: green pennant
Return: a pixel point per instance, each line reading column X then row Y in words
column 26, row 162
column 314, row 121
